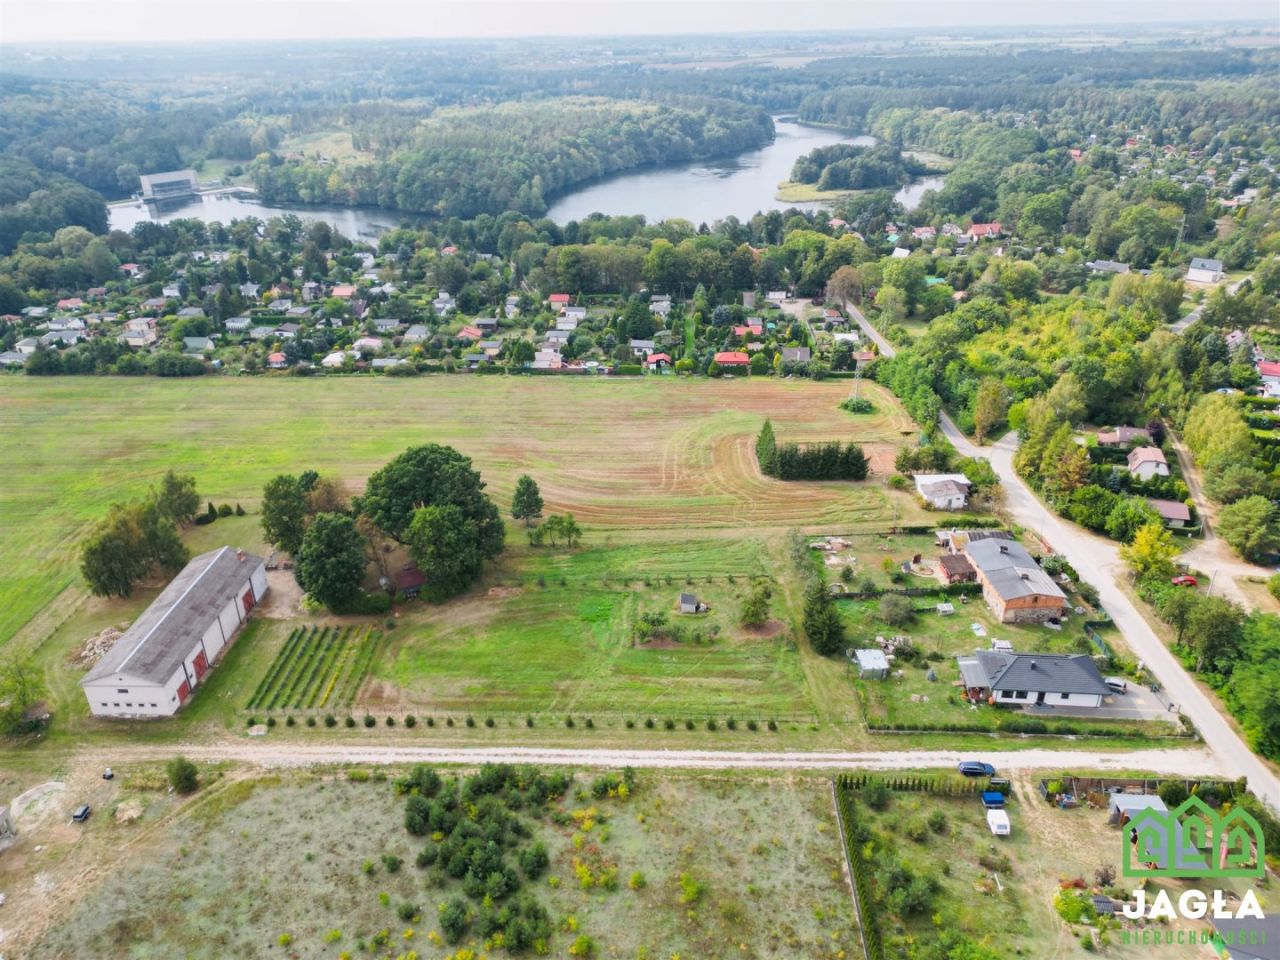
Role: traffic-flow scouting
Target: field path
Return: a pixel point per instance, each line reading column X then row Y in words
column 270, row 755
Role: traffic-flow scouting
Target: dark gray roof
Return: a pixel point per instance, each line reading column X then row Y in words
column 1203, row 263
column 1011, row 571
column 160, row 639
column 688, row 598
column 1041, row 672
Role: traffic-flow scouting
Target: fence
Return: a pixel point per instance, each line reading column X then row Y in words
column 1091, row 631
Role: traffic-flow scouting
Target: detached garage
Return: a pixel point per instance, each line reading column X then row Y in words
column 159, row 661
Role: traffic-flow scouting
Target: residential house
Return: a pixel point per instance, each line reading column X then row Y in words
column 732, row 360
column 1204, row 271
column 982, row 231
column 776, row 296
column 660, row 307
column 196, row 345
column 489, row 324
column 1107, row 266
column 250, row 290
column 70, row 303
column 139, row 332
column 1269, row 371
column 924, row 233
column 171, row 291
column 368, row 345
column 415, row 334
column 386, row 325
column 262, row 333
column 335, row 360
column 861, row 358
column 299, row 312
column 280, row 306
column 27, row 345
column 12, row 358
column 312, row 291
column 1235, row 338
column 1173, row 512
column 443, row 303
column 796, row 354
column 567, row 324
column 569, row 313
column 490, row 348
column 238, row 324
column 343, row 291
column 1013, row 585
column 131, row 270
column 1146, row 463
column 547, row 360
column 943, row 491
column 900, row 253
column 1032, row 679
column 511, row 308
column 641, row 348
column 288, row 331
column 558, row 300
column 658, row 362
column 190, row 313
column 277, row 361
column 469, row 332
column 1123, row 436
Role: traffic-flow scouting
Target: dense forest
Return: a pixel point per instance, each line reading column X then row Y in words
column 850, row 166
column 516, row 155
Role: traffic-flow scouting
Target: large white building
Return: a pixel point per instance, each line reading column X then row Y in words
column 153, row 669
column 167, row 186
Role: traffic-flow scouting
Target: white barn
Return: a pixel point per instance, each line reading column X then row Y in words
column 153, row 669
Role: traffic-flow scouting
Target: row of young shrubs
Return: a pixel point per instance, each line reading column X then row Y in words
column 649, row 723
column 1063, row 728
column 213, row 513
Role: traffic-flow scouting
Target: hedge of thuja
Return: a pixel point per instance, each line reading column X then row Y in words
column 1062, row 728
column 942, row 785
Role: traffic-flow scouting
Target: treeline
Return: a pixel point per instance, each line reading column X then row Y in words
column 514, row 156
column 138, row 538
column 848, row 166
column 35, row 202
column 815, row 461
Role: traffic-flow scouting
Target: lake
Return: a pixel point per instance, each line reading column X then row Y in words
column 707, row 191
column 701, row 192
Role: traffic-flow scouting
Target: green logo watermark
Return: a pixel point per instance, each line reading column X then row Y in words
column 1193, row 841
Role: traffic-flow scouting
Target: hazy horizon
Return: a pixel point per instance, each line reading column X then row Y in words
column 124, row 21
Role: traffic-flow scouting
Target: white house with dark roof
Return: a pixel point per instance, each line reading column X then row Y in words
column 1146, row 463
column 153, row 669
column 1203, row 270
column 943, row 491
column 1027, row 679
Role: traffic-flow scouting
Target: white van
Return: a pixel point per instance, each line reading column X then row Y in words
column 1118, row 684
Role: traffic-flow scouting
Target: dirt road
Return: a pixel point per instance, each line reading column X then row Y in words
column 264, row 753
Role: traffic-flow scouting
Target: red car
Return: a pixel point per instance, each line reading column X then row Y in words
column 1184, row 581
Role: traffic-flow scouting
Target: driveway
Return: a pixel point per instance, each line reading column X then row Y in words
column 1100, row 560
column 1138, row 704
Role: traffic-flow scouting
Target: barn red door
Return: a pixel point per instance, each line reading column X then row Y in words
column 247, row 600
column 184, row 691
column 201, row 665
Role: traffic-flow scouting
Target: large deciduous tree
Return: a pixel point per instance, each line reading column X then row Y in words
column 176, row 497
column 284, row 512
column 426, row 476
column 330, row 563
column 1151, row 552
column 445, row 544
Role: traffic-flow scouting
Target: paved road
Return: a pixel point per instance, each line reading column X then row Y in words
column 263, row 752
column 874, row 335
column 1099, row 561
column 1194, row 315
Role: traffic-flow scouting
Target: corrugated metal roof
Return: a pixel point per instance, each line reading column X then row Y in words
column 160, row 639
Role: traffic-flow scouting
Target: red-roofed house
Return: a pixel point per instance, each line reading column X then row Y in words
column 277, row 361
column 732, row 359
column 344, row 290
column 1269, row 371
column 1076, row 155
column 558, row 299
column 70, row 303
column 449, row 250
column 657, row 361
column 470, row 332
column 862, row 357
column 132, row 269
column 1173, row 512
column 752, row 329
column 980, row 231
column 1145, row 463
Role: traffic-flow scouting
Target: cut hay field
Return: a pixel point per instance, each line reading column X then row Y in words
column 634, row 460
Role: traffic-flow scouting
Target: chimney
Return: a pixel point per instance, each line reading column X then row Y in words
column 1033, row 664
column 240, row 555
column 1025, row 576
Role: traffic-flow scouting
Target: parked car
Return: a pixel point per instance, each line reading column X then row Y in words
column 1184, row 581
column 976, row 768
column 1118, row 684
column 81, row 813
column 998, row 821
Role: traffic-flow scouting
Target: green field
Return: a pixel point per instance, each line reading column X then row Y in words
column 637, row 458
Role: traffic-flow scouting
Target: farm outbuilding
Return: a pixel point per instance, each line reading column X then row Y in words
column 1124, row 806
column 872, row 664
column 157, row 663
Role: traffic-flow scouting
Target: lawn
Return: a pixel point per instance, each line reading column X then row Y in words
column 634, row 460
column 563, row 624
column 249, row 859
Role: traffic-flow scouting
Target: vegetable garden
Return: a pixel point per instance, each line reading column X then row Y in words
column 318, row 667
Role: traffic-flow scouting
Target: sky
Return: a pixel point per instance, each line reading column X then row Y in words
column 55, row 21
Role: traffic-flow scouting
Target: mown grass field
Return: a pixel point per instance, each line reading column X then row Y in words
column 247, row 860
column 634, row 460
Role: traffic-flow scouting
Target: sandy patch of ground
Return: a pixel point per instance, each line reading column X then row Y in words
column 766, row 631
column 284, row 597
